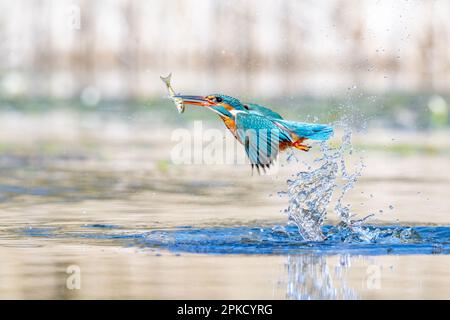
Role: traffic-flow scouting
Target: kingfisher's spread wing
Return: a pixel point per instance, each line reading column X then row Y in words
column 260, row 137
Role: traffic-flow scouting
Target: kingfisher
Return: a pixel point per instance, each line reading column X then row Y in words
column 262, row 131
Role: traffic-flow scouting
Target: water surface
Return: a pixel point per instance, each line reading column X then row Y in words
column 139, row 227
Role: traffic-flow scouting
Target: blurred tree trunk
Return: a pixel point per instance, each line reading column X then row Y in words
column 426, row 50
column 42, row 57
column 246, row 46
column 85, row 63
column 213, row 52
column 130, row 50
column 351, row 26
column 287, row 52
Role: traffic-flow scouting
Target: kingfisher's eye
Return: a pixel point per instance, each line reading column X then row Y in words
column 219, row 99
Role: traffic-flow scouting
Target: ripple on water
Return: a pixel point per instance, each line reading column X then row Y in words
column 286, row 240
column 279, row 240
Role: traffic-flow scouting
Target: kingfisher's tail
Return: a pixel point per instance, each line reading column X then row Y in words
column 308, row 130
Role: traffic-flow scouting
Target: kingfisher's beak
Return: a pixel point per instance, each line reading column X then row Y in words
column 195, row 100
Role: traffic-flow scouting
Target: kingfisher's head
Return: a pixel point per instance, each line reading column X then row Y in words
column 225, row 106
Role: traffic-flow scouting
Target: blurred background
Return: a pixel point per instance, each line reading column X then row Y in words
column 388, row 57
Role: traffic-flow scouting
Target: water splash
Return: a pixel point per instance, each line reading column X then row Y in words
column 310, row 192
column 278, row 240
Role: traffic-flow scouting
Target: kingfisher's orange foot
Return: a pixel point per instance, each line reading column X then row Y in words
column 303, row 147
column 298, row 144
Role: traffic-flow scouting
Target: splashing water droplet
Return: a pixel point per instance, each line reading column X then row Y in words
column 291, row 157
column 310, row 193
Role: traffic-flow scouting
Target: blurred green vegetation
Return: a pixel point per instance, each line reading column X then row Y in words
column 404, row 149
column 394, row 110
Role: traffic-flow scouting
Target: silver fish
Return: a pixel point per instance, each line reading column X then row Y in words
column 177, row 101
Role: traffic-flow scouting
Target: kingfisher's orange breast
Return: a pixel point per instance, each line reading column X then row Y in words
column 230, row 124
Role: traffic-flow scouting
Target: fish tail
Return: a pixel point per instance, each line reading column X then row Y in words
column 166, row 79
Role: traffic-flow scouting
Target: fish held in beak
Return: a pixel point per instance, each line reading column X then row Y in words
column 195, row 100
column 177, row 101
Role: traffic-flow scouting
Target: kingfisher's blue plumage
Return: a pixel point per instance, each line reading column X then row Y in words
column 263, row 132
column 308, row 130
column 259, row 109
column 233, row 102
column 260, row 137
column 311, row 131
